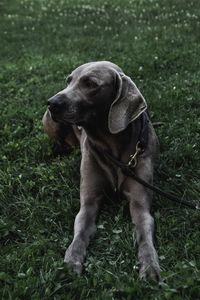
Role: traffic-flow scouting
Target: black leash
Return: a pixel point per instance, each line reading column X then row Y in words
column 127, row 169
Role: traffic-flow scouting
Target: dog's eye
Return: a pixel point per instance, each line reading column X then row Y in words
column 69, row 79
column 90, row 84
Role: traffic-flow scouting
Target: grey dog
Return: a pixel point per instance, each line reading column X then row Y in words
column 101, row 108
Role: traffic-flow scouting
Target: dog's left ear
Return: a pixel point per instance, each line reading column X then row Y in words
column 127, row 106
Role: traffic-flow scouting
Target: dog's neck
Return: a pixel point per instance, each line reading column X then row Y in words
column 117, row 144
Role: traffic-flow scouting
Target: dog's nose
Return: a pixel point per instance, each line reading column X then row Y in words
column 56, row 103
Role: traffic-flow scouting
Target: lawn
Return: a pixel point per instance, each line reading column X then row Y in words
column 156, row 42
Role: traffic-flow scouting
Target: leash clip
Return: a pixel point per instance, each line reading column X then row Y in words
column 133, row 158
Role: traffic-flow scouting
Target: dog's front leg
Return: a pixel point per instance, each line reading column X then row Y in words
column 85, row 223
column 84, row 229
column 140, row 201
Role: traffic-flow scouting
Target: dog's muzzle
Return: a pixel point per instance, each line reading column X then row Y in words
column 57, row 104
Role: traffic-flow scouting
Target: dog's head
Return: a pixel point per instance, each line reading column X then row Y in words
column 96, row 93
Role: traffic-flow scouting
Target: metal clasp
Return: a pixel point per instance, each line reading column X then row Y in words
column 133, row 158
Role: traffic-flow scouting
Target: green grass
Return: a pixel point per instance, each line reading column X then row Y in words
column 155, row 42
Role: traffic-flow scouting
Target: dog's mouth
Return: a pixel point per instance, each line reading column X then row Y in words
column 65, row 118
column 55, row 117
column 81, row 116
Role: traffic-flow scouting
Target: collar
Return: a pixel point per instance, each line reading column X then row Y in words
column 141, row 145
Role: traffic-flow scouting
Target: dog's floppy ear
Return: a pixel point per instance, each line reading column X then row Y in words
column 127, row 106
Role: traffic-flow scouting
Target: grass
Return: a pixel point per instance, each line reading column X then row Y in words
column 157, row 43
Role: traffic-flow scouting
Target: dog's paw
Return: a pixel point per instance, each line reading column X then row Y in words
column 74, row 256
column 73, row 263
column 150, row 271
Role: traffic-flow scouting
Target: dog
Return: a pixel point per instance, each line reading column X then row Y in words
column 102, row 110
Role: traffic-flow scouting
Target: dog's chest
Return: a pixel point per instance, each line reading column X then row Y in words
column 113, row 175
